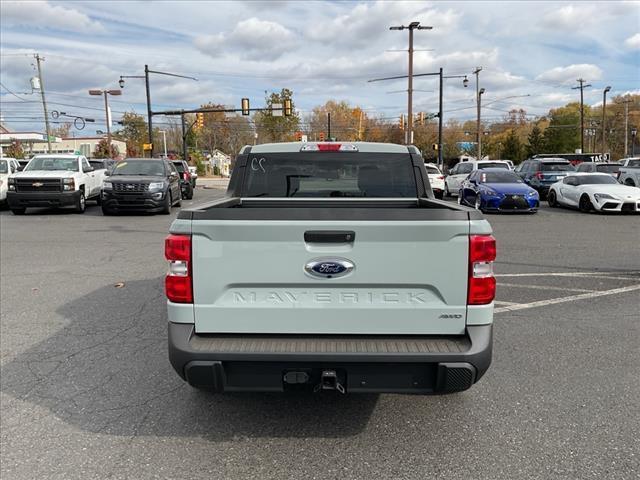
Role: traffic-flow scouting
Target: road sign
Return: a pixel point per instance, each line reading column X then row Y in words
column 276, row 109
column 147, row 146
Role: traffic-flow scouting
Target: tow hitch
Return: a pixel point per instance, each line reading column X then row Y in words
column 329, row 381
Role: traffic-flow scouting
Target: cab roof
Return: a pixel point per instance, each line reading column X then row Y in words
column 367, row 147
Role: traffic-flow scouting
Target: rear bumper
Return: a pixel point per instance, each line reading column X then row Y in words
column 44, row 199
column 399, row 364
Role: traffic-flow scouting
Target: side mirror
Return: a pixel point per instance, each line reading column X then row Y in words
column 87, row 169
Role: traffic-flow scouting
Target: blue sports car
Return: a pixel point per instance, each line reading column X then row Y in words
column 498, row 190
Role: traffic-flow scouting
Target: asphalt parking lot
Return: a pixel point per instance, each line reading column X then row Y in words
column 87, row 390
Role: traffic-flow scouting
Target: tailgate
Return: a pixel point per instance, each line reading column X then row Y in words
column 408, row 277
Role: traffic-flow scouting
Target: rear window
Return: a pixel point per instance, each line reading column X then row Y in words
column 556, row 167
column 179, row 166
column 607, row 168
column 329, row 174
column 482, row 166
column 432, row 170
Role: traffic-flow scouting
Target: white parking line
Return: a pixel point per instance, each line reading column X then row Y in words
column 572, row 298
column 544, row 287
column 499, row 302
column 572, row 274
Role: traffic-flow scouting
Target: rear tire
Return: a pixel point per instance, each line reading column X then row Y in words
column 18, row 211
column 446, row 193
column 81, row 203
column 552, row 199
column 585, row 204
column 478, row 204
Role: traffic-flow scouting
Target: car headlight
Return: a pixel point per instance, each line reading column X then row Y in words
column 156, row 185
column 68, row 184
column 107, row 185
column 11, row 184
column 604, row 196
column 532, row 193
column 490, row 193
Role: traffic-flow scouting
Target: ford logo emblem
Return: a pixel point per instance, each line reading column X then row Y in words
column 329, row 267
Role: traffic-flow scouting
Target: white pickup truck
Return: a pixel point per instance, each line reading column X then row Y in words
column 330, row 266
column 55, row 180
column 629, row 172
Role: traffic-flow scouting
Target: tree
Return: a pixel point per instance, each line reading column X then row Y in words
column 563, row 133
column 104, row 150
column 535, row 142
column 512, row 148
column 276, row 128
column 347, row 123
column 133, row 132
column 61, row 130
column 14, row 150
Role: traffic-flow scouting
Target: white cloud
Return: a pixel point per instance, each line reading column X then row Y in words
column 633, row 42
column 253, row 39
column 569, row 74
column 570, row 16
column 41, row 14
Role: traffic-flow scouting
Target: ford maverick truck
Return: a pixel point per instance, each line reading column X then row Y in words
column 330, row 266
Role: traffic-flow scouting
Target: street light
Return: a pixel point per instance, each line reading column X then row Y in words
column 106, row 94
column 604, row 108
column 478, row 138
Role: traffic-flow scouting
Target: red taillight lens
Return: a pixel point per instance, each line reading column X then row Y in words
column 539, row 175
column 440, row 177
column 482, row 283
column 178, row 282
column 329, row 147
column 186, row 176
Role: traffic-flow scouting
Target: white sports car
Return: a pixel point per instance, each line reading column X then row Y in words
column 594, row 191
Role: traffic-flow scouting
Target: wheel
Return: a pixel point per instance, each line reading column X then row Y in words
column 179, row 202
column 438, row 195
column 629, row 183
column 99, row 199
column 551, row 199
column 478, row 204
column 168, row 201
column 446, row 193
column 190, row 195
column 18, row 211
column 585, row 204
column 81, row 203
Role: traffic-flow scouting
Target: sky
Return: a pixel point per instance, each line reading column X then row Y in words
column 531, row 54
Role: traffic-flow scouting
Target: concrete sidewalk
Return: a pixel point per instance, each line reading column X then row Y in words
column 212, row 182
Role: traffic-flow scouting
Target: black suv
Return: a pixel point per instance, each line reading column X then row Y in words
column 541, row 173
column 146, row 184
column 187, row 183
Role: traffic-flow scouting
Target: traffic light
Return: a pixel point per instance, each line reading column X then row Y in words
column 321, row 136
column 298, row 136
column 199, row 121
column 245, row 106
column 288, row 108
column 402, row 122
column 435, row 146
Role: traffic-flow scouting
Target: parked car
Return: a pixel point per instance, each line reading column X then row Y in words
column 460, row 171
column 6, row 169
column 629, row 172
column 141, row 184
column 102, row 164
column 599, row 167
column 497, row 190
column 194, row 175
column 541, row 173
column 436, row 179
column 594, row 191
column 187, row 184
column 14, row 164
column 271, row 292
column 55, row 180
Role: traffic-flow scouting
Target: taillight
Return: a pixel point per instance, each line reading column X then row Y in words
column 440, row 177
column 482, row 283
column 539, row 175
column 178, row 282
column 186, row 176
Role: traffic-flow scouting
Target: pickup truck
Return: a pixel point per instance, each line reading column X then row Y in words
column 55, row 180
column 330, row 266
column 629, row 172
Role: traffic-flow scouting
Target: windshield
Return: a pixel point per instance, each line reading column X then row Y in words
column 324, row 174
column 4, row 166
column 53, row 164
column 634, row 163
column 139, row 167
column 596, row 180
column 500, row 177
column 556, row 167
column 607, row 168
column 482, row 166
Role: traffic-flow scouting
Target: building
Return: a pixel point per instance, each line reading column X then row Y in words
column 222, row 161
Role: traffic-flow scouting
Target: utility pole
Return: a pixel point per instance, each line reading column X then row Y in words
column 626, row 126
column 408, row 133
column 476, row 72
column 329, row 126
column 604, row 120
column 582, row 86
column 440, row 158
column 184, row 137
column 149, row 114
column 44, row 102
